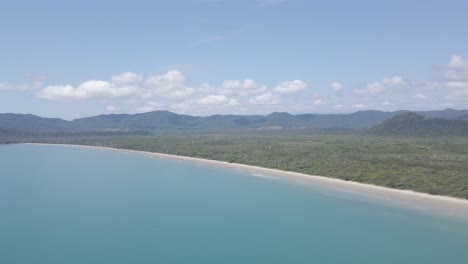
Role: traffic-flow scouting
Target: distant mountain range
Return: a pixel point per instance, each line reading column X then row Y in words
column 165, row 120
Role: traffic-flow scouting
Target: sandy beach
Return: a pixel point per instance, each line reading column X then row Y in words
column 426, row 203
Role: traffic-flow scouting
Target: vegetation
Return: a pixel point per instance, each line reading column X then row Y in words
column 165, row 120
column 414, row 125
column 430, row 165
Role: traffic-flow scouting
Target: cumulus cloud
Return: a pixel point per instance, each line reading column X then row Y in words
column 145, row 109
column 173, row 91
column 171, row 85
column 111, row 108
column 379, row 87
column 359, row 106
column 394, row 81
column 420, row 96
column 457, row 68
column 183, row 107
column 264, row 99
column 94, row 89
column 233, row 102
column 127, row 78
column 291, row 87
column 180, row 93
column 149, row 107
column 213, row 99
column 318, row 102
column 338, row 106
column 336, row 87
column 245, row 87
column 167, row 81
column 460, row 94
column 457, row 85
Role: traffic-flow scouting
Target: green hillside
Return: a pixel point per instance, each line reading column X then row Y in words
column 415, row 125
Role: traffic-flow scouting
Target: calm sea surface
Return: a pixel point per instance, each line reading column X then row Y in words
column 72, row 205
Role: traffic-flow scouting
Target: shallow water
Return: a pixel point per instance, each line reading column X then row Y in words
column 73, row 205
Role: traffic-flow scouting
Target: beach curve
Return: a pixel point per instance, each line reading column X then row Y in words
column 427, row 203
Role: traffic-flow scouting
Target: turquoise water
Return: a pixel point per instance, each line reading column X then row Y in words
column 72, row 205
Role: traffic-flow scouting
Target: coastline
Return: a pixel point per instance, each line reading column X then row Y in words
column 423, row 202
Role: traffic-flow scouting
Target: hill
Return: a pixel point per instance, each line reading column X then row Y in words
column 412, row 124
column 35, row 124
column 165, row 120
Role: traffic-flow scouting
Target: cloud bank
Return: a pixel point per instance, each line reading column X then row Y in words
column 135, row 92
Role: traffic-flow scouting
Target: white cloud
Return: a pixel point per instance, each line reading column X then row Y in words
column 145, row 109
column 127, row 78
column 134, row 91
column 184, row 106
column 213, row 99
column 169, row 85
column 206, row 88
column 447, row 105
column 457, row 68
column 457, row 85
column 94, row 89
column 291, row 87
column 247, row 86
column 379, row 87
column 149, row 107
column 374, row 88
column 460, row 94
column 57, row 92
column 359, row 106
column 318, row 102
column 264, row 99
column 111, row 108
column 181, row 93
column 166, row 82
column 338, row 106
column 393, row 81
column 233, row 102
column 336, row 87
column 420, row 96
column 153, row 103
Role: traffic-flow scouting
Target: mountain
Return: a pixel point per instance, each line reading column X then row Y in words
column 412, row 124
column 145, row 121
column 165, row 120
column 446, row 113
column 168, row 120
column 35, row 124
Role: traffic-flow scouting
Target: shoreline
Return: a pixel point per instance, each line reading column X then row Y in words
column 423, row 202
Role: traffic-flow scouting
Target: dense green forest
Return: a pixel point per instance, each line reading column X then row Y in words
column 437, row 165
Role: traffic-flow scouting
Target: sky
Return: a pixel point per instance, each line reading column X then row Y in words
column 72, row 59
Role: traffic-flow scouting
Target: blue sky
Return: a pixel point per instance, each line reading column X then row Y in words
column 72, row 59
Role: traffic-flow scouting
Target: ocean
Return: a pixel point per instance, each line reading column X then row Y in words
column 70, row 205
